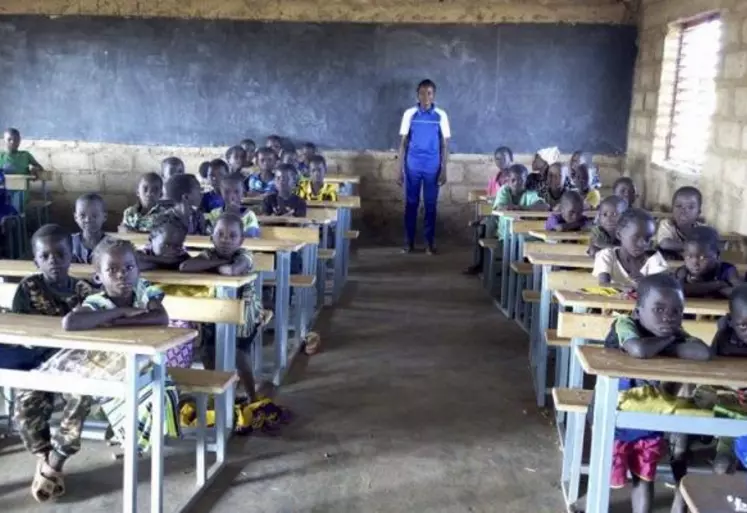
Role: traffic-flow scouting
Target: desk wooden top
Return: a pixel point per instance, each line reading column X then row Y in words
column 553, row 236
column 586, row 262
column 613, row 363
column 570, row 298
column 708, row 493
column 41, row 330
column 544, row 214
column 22, row 268
column 342, row 178
column 295, row 221
column 342, row 202
column 203, row 241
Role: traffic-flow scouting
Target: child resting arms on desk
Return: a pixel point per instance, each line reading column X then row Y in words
column 604, row 233
column 626, row 265
column 570, row 216
column 53, row 292
column 704, row 274
column 653, row 329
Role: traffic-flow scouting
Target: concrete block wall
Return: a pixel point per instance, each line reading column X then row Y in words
column 722, row 179
column 113, row 171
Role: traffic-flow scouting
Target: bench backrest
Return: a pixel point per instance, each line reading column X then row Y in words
column 596, row 327
column 194, row 309
column 321, row 214
column 528, row 226
column 555, row 249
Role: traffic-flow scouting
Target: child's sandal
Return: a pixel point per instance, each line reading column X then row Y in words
column 312, row 343
column 48, row 484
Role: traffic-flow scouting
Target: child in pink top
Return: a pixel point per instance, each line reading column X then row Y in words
column 504, row 158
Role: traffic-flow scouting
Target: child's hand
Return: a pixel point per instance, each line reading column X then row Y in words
column 558, row 228
column 132, row 312
column 510, row 207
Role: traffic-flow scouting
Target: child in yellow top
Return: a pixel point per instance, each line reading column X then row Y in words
column 582, row 181
column 314, row 188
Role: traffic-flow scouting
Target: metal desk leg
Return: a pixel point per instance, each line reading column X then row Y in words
column 520, row 312
column 225, row 352
column 310, row 264
column 157, row 433
column 507, row 229
column 602, row 443
column 130, row 446
column 346, row 223
column 339, row 255
column 510, row 276
column 201, row 448
column 258, row 345
column 535, row 332
column 282, row 299
column 544, row 319
column 574, row 431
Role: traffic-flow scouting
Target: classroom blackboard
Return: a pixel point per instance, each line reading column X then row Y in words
column 342, row 85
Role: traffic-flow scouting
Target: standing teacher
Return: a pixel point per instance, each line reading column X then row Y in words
column 423, row 153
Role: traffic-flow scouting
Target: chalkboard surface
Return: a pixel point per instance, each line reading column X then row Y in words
column 199, row 82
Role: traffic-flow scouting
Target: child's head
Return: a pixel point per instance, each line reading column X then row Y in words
column 285, row 180
column 579, row 157
column 308, row 150
column 426, row 93
column 275, row 143
column 571, row 206
column 289, row 156
column 317, row 169
column 149, row 190
column 517, row 178
column 167, row 236
column 583, row 177
column 52, row 251
column 228, row 234
column 701, row 250
column 90, row 213
column 686, row 204
column 660, row 304
column 236, row 158
column 249, row 147
column 171, row 166
column 232, row 190
column 544, row 158
column 12, row 139
column 503, row 157
column 610, row 210
column 203, row 169
column 738, row 312
column 556, row 176
column 635, row 229
column 624, row 187
column 217, row 170
column 183, row 189
column 267, row 159
column 115, row 266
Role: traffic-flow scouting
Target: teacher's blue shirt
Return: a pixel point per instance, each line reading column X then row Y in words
column 425, row 128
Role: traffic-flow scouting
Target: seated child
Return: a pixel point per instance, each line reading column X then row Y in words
column 624, row 266
column 217, row 169
column 624, row 187
column 582, row 183
column 275, row 143
column 554, row 186
column 704, row 274
column 604, row 233
column 314, row 188
column 51, row 291
column 183, row 196
column 671, row 233
column 232, row 191
column 571, row 216
column 17, row 162
column 503, row 158
column 284, row 202
column 126, row 300
column 202, row 173
column 139, row 218
column 228, row 258
column 90, row 215
column 654, row 329
column 515, row 196
column 235, row 158
column 263, row 182
column 543, row 159
column 579, row 157
column 171, row 166
column 308, row 150
column 250, row 147
column 289, row 156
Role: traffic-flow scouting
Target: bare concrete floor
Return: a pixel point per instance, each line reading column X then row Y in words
column 420, row 401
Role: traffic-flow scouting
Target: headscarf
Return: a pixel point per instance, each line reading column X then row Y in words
column 550, row 155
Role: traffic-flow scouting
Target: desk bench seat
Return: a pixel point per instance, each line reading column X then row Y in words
column 488, row 243
column 352, row 234
column 530, row 296
column 572, row 400
column 202, row 381
column 326, row 254
column 522, row 268
column 553, row 340
column 301, row 281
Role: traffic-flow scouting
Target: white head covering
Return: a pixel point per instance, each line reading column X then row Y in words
column 550, row 155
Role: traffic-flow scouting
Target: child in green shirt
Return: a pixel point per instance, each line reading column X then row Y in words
column 515, row 196
column 17, row 162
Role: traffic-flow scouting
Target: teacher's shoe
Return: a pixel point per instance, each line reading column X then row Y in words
column 408, row 249
column 431, row 250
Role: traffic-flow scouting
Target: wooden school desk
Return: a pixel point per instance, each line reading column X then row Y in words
column 138, row 344
column 708, row 493
column 345, row 182
column 225, row 286
column 611, row 365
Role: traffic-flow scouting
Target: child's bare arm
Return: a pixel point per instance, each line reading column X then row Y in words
column 155, row 315
column 701, row 289
column 538, row 206
column 692, row 349
column 82, row 318
column 200, row 265
column 648, row 347
column 150, row 262
column 670, row 244
column 239, row 267
column 605, row 279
